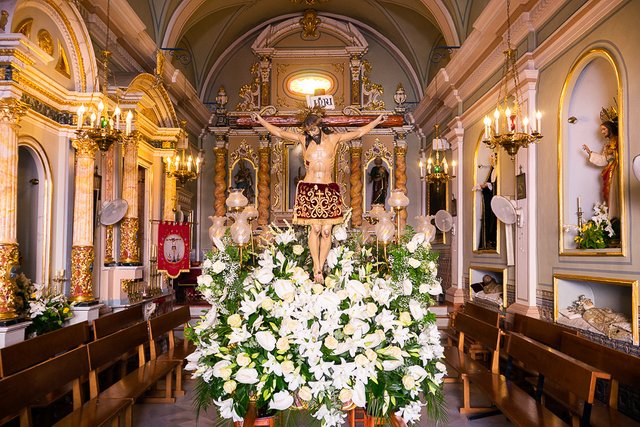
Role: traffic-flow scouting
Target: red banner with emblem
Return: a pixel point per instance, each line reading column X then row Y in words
column 173, row 248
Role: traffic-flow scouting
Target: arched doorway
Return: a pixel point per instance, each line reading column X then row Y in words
column 33, row 212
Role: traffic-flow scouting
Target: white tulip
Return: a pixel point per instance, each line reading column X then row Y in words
column 340, row 233
column 405, row 318
column 407, row 287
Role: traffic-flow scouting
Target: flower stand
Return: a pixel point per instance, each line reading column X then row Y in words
column 356, row 416
column 260, row 422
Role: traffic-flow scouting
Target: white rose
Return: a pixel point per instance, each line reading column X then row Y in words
column 361, row 360
column 408, row 382
column 317, row 288
column 266, row 340
column 372, row 309
column 217, row 267
column 281, row 400
column 304, row 393
column 234, row 320
column 229, row 387
column 267, row 304
column 330, row 342
column 330, row 282
column 247, row 376
column 407, row 287
column 405, row 318
column 413, row 262
column 207, row 264
column 222, row 369
column 243, row 359
column 297, row 250
column 282, row 344
column 340, row 233
column 284, row 289
column 349, row 329
column 345, row 395
column 287, row 367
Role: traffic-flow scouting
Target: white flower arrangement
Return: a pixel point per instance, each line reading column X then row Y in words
column 365, row 336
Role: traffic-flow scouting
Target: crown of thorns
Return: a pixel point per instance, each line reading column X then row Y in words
column 305, row 112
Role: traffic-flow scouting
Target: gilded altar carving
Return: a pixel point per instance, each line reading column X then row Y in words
column 81, row 274
column 62, row 66
column 265, row 80
column 25, row 27
column 371, row 92
column 8, row 259
column 45, row 41
column 250, row 93
column 244, row 151
column 11, row 110
column 309, row 23
column 86, row 148
column 356, row 183
column 264, row 182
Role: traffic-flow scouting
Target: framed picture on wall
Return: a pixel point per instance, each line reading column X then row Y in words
column 521, row 186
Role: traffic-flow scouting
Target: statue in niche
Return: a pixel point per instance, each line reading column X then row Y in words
column 607, row 159
column 243, row 179
column 379, row 177
column 613, row 325
column 489, row 222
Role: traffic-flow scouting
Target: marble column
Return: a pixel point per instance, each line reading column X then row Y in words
column 108, row 182
column 82, row 248
column 455, row 294
column 11, row 110
column 220, row 176
column 356, row 183
column 129, row 250
column 264, row 181
column 170, row 197
column 401, row 169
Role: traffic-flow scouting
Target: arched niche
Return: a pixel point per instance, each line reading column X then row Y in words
column 243, row 171
column 35, row 189
column 381, row 151
column 593, row 83
column 486, row 170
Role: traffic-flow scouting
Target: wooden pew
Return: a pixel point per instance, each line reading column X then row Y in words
column 571, row 374
column 25, row 354
column 164, row 325
column 477, row 312
column 132, row 386
column 114, row 322
column 547, row 333
column 623, row 368
column 512, row 401
column 19, row 391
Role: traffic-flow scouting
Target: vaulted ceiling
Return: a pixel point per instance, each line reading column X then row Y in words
column 207, row 28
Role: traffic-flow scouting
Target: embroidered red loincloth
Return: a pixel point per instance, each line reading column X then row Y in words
column 317, row 203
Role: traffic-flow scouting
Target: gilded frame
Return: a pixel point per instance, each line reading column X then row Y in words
column 603, row 281
column 244, row 152
column 378, row 149
column 568, row 86
column 475, row 213
column 493, row 269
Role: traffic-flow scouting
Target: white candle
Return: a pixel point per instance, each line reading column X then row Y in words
column 81, row 111
column 93, row 118
column 487, row 124
column 421, row 166
column 128, row 122
column 578, row 203
column 496, row 116
column 525, row 124
column 453, row 168
column 539, row 122
column 117, row 114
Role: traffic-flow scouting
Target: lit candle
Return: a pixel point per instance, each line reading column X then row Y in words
column 446, row 166
column 539, row 122
column 117, row 114
column 93, row 119
column 198, row 164
column 421, row 166
column 525, row 124
column 496, row 116
column 189, row 160
column 487, row 127
column 128, row 122
column 429, row 165
column 100, row 107
column 81, row 111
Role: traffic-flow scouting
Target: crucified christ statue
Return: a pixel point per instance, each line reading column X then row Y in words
column 318, row 200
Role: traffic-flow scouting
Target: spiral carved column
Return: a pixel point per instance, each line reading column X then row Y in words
column 129, row 227
column 82, row 248
column 11, row 110
column 401, row 170
column 220, row 180
column 356, row 183
column 264, row 181
column 108, row 197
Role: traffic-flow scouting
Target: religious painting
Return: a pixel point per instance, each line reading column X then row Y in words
column 295, row 171
column 486, row 230
column 597, row 306
column 521, row 186
column 245, row 176
column 591, row 149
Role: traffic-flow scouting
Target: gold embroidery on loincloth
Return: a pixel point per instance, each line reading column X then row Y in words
column 317, row 203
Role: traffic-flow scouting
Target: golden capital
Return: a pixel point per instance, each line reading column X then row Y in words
column 132, row 141
column 11, row 110
column 85, row 147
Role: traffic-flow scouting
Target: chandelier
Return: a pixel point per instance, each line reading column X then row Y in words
column 182, row 166
column 103, row 125
column 509, row 129
column 437, row 171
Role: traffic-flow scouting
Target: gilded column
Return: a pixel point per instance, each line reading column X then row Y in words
column 82, row 249
column 170, row 197
column 220, row 175
column 356, row 183
column 401, row 169
column 129, row 226
column 264, row 181
column 355, row 64
column 108, row 175
column 265, row 81
column 10, row 112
